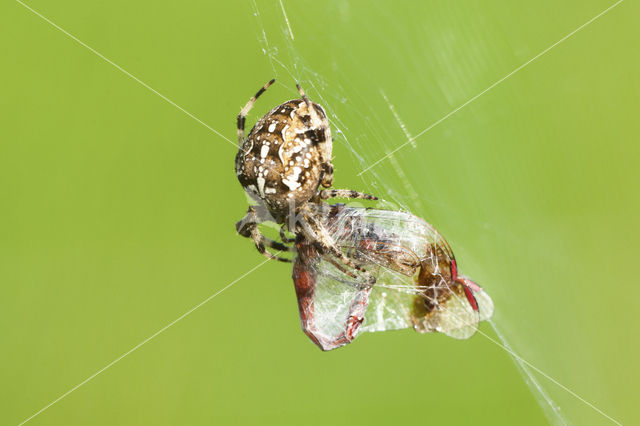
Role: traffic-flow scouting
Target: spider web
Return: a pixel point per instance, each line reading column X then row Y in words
column 367, row 123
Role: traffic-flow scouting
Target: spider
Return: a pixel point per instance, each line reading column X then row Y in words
column 282, row 164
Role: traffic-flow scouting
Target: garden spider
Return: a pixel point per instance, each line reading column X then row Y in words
column 281, row 164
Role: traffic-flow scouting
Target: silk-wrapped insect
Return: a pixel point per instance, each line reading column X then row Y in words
column 417, row 284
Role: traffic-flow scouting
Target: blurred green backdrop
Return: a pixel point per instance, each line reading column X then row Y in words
column 117, row 208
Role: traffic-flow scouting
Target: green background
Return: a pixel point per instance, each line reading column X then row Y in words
column 117, row 209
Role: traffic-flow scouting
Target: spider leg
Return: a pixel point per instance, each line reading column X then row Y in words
column 284, row 238
column 260, row 241
column 340, row 267
column 325, row 194
column 244, row 111
column 318, row 234
column 248, row 228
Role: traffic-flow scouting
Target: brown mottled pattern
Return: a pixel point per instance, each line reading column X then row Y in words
column 286, row 156
column 281, row 164
column 435, row 277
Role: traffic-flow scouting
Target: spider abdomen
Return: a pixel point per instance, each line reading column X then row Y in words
column 287, row 156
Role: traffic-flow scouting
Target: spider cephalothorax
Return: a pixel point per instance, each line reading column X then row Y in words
column 286, row 156
column 282, row 164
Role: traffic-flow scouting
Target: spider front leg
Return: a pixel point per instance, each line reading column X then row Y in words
column 314, row 231
column 244, row 111
column 325, row 194
column 248, row 228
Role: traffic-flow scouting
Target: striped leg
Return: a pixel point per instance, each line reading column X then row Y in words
column 248, row 227
column 260, row 242
column 315, row 232
column 325, row 194
column 244, row 111
column 283, row 236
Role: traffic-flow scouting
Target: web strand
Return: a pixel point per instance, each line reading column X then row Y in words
column 524, row 366
column 142, row 343
column 412, row 140
column 124, row 71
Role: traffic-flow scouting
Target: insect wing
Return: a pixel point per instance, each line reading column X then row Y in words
column 391, row 239
column 331, row 305
column 389, row 308
column 335, row 294
column 435, row 298
column 483, row 301
column 336, row 299
column 416, row 277
column 391, row 246
column 458, row 315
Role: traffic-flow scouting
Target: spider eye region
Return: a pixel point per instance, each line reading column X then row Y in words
column 286, row 156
